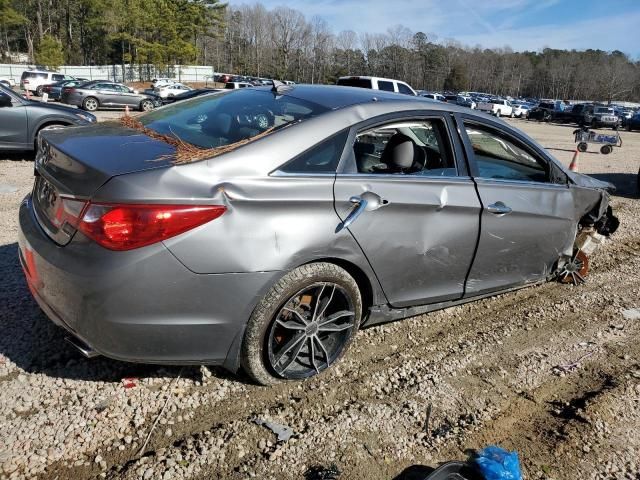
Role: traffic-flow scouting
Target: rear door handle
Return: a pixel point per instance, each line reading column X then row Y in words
column 499, row 208
column 359, row 205
column 366, row 201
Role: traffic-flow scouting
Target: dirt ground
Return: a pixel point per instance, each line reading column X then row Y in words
column 551, row 371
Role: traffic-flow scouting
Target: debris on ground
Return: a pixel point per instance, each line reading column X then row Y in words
column 283, row 432
column 496, row 463
column 318, row 472
column 631, row 314
column 571, row 366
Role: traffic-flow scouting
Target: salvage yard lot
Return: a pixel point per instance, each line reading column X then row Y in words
column 551, row 371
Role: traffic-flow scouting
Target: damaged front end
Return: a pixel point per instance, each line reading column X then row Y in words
column 596, row 223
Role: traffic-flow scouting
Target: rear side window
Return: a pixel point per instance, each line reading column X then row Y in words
column 57, row 78
column 355, row 82
column 33, row 75
column 322, row 158
column 402, row 88
column 386, row 86
column 499, row 157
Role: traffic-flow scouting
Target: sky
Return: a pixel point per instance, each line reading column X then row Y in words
column 520, row 24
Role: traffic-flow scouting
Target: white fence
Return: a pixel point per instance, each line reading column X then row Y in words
column 133, row 73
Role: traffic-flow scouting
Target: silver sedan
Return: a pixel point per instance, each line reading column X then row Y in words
column 261, row 228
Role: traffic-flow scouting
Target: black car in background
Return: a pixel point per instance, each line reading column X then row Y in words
column 21, row 120
column 545, row 112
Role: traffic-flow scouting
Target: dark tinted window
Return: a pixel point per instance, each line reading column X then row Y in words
column 57, row 78
column 33, row 75
column 402, row 88
column 386, row 86
column 216, row 120
column 355, row 82
column 323, row 158
column 499, row 157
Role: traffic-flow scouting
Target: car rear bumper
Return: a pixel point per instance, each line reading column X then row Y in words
column 142, row 305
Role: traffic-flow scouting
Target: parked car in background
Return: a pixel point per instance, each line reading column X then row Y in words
column 170, row 91
column 162, row 82
column 377, row 83
column 604, row 116
column 272, row 256
column 94, row 95
column 21, row 120
column 434, row 96
column 496, row 106
column 34, row 80
column 544, row 112
column 196, row 92
column 54, row 91
column 237, row 85
column 633, row 123
column 7, row 82
column 521, row 110
column 465, row 101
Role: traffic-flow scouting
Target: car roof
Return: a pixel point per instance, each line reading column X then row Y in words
column 365, row 77
column 336, row 96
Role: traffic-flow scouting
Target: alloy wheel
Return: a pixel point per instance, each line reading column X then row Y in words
column 310, row 330
column 90, row 104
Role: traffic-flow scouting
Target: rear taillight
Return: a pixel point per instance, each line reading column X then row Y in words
column 126, row 226
column 68, row 211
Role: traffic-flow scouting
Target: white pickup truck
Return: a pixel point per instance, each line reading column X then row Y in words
column 497, row 107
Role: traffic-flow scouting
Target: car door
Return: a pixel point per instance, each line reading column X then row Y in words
column 126, row 96
column 107, row 94
column 13, row 122
column 417, row 226
column 527, row 218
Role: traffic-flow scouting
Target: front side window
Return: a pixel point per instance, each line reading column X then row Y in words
column 501, row 158
column 402, row 88
column 405, row 148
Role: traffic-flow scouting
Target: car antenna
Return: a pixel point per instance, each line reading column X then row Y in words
column 279, row 87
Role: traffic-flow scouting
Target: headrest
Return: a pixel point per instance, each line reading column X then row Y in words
column 401, row 152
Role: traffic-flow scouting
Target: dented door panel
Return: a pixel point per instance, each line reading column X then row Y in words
column 524, row 245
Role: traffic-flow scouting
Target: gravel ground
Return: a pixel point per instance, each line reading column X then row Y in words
column 488, row 372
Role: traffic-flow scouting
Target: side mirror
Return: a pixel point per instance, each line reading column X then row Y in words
column 5, row 101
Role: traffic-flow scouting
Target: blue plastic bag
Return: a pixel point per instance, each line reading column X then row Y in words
column 495, row 463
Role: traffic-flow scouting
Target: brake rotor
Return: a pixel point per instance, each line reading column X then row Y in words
column 575, row 270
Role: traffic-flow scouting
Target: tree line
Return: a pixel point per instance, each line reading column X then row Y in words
column 283, row 43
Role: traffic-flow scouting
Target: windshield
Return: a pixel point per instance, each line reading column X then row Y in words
column 217, row 120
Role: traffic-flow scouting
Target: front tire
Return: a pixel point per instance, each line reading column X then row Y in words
column 146, row 105
column 303, row 324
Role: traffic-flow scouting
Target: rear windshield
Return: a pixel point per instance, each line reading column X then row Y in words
column 355, row 82
column 33, row 75
column 216, row 120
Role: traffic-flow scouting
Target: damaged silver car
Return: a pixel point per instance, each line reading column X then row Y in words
column 261, row 228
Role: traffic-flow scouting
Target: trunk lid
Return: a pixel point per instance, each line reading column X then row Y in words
column 75, row 161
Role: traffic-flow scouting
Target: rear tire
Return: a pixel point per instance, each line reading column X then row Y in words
column 90, row 104
column 606, row 149
column 39, row 91
column 498, row 113
column 265, row 340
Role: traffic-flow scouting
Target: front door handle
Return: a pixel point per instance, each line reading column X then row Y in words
column 498, row 208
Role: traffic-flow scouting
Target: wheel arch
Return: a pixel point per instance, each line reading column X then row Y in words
column 47, row 122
